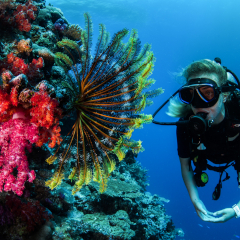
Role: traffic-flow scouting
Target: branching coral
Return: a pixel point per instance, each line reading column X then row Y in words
column 106, row 96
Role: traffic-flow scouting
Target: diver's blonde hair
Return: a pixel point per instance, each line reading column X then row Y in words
column 180, row 109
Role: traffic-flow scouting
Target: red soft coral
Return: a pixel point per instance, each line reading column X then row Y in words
column 24, row 14
column 34, row 69
column 6, row 108
column 17, row 66
column 46, row 114
column 44, row 111
column 16, row 135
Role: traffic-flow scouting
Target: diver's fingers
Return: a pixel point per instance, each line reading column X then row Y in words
column 208, row 218
column 206, row 212
column 219, row 213
column 218, row 220
column 201, row 210
column 205, row 217
column 210, row 213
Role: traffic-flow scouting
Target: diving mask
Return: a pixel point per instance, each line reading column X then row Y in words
column 200, row 92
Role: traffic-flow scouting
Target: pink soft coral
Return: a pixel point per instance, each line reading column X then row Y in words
column 16, row 135
column 26, row 117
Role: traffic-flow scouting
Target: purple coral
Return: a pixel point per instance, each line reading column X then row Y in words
column 60, row 25
column 6, row 216
column 31, row 213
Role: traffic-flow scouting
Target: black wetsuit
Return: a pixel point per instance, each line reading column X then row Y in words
column 216, row 140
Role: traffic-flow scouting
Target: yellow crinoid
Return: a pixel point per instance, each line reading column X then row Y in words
column 108, row 93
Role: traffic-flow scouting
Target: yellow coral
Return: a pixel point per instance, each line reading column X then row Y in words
column 73, row 32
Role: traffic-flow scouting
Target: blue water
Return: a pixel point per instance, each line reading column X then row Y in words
column 180, row 31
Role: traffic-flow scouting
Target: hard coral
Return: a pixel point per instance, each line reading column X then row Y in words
column 47, row 56
column 6, row 9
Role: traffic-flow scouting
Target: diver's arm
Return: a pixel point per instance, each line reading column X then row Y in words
column 188, row 178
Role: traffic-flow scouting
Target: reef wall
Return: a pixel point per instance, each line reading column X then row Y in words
column 34, row 110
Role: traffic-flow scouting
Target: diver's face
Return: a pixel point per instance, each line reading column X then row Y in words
column 217, row 111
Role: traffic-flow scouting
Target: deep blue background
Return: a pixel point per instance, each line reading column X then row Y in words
column 179, row 31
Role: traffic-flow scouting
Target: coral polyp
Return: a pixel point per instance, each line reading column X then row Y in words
column 107, row 96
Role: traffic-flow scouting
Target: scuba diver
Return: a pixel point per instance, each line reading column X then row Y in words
column 208, row 130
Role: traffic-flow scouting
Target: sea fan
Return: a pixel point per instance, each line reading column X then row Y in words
column 107, row 97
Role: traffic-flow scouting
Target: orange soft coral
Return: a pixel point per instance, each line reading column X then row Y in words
column 23, row 47
column 14, row 96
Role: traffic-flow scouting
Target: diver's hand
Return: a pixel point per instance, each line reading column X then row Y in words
column 202, row 211
column 225, row 215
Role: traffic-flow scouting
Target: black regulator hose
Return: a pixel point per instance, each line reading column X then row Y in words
column 167, row 123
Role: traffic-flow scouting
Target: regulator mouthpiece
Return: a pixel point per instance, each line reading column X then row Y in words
column 198, row 123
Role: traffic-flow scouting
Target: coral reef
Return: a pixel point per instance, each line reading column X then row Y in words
column 57, row 102
column 124, row 211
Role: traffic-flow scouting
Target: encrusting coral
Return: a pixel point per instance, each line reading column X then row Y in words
column 106, row 96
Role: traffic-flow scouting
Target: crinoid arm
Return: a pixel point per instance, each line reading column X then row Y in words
column 108, row 94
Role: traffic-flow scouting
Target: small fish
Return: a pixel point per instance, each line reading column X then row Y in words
column 200, row 225
column 208, row 227
column 236, row 236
